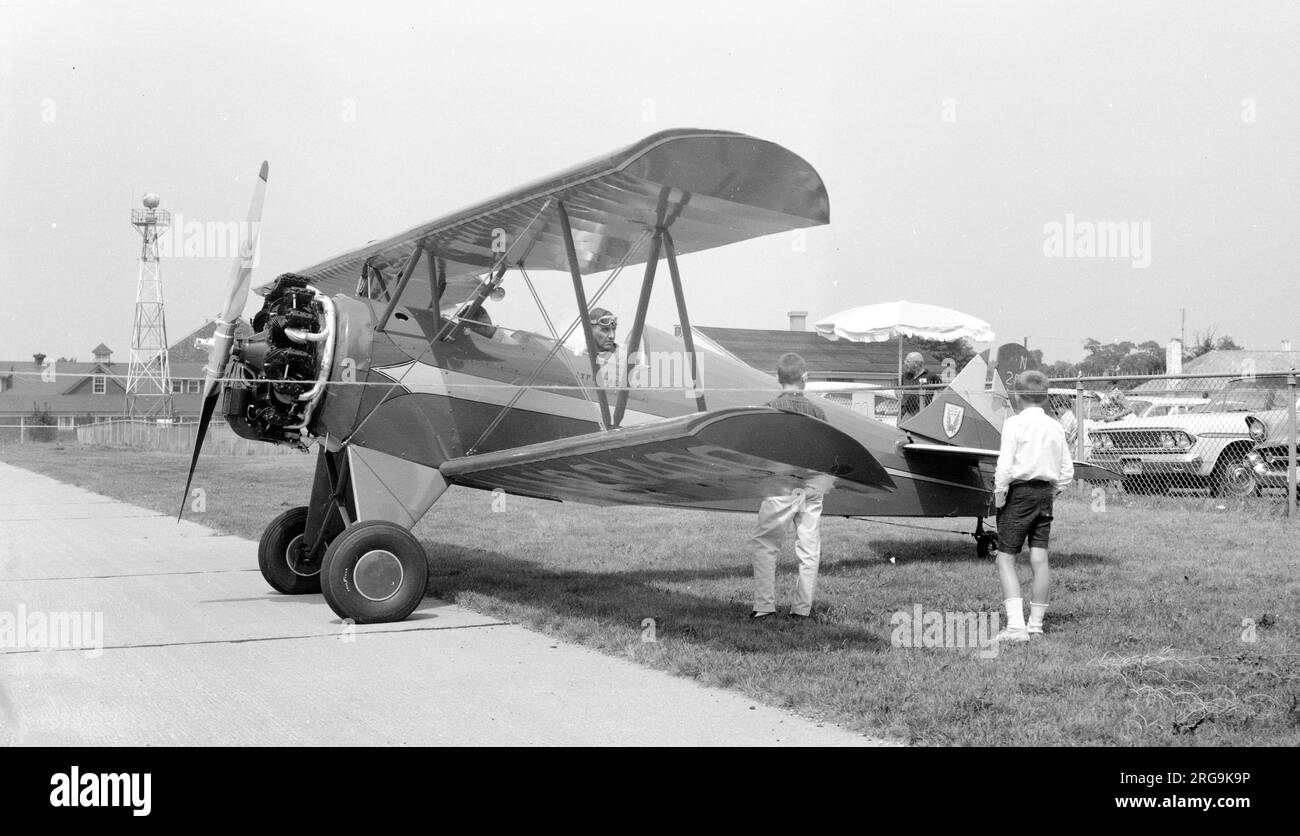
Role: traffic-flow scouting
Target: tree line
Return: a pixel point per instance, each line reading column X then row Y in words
column 1124, row 357
column 1133, row 358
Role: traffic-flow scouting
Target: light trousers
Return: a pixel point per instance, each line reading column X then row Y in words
column 776, row 512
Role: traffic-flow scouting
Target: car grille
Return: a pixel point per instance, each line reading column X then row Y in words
column 1136, row 439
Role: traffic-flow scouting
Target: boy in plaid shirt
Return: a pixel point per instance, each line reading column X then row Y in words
column 803, row 507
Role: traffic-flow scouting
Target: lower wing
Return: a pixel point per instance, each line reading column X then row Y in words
column 707, row 457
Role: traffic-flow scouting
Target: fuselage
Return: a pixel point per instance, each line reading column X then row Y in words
column 403, row 392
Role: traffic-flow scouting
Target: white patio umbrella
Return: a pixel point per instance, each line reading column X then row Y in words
column 895, row 320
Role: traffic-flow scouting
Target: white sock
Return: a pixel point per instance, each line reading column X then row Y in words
column 1015, row 613
column 1036, row 612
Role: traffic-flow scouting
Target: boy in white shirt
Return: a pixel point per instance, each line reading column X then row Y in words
column 1034, row 465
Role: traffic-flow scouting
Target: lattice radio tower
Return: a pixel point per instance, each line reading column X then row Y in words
column 148, row 378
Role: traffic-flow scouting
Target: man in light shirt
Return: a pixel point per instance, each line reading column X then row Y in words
column 1034, row 465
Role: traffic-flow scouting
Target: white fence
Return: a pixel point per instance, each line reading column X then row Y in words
column 148, row 435
column 175, row 438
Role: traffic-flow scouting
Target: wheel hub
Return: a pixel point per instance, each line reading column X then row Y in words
column 378, row 575
column 296, row 559
column 1241, row 480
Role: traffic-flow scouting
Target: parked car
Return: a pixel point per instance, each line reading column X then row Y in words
column 1153, row 406
column 1208, row 447
column 1271, row 433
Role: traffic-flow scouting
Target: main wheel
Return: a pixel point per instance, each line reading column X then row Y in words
column 374, row 571
column 282, row 555
column 1233, row 476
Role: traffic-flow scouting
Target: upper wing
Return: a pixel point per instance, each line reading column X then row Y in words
column 698, row 459
column 710, row 188
column 1082, row 470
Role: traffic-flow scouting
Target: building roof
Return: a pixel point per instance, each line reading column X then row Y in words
column 71, row 392
column 761, row 348
column 1241, row 363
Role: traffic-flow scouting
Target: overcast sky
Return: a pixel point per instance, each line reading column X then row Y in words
column 951, row 136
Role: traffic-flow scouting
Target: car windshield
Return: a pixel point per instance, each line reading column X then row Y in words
column 1240, row 400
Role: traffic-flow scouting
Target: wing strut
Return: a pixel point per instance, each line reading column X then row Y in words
column 638, row 324
column 584, row 313
column 405, row 277
column 437, row 282
column 685, row 320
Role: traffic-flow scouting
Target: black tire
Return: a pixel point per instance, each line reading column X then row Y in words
column 374, row 572
column 986, row 546
column 279, row 558
column 1233, row 476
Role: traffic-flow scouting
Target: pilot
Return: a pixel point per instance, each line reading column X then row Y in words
column 603, row 327
column 480, row 322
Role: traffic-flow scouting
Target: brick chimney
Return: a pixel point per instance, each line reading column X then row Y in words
column 798, row 320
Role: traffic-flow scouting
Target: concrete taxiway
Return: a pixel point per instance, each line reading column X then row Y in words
column 127, row 628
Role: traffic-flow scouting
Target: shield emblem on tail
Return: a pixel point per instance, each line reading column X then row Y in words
column 952, row 418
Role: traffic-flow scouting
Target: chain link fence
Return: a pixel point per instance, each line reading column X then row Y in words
column 1210, row 435
column 1183, row 435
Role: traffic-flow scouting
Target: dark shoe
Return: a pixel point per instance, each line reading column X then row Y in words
column 794, row 616
column 756, row 615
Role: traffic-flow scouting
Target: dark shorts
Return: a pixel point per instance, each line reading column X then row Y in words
column 1027, row 515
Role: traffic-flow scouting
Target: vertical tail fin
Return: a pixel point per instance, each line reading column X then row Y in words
column 969, row 413
column 1010, row 360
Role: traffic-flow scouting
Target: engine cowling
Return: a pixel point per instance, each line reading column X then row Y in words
column 279, row 372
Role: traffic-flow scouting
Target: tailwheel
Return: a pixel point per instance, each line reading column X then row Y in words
column 986, row 546
column 374, row 571
column 282, row 555
column 986, row 542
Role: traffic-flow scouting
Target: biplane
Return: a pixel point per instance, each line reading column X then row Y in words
column 387, row 358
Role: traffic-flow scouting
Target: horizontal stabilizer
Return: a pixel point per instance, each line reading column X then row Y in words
column 720, row 456
column 1082, row 470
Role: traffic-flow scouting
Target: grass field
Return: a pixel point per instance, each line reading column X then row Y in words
column 1145, row 639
